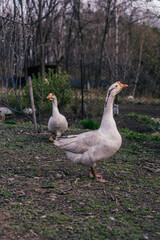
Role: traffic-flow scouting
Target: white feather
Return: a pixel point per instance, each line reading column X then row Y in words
column 57, row 123
column 89, row 147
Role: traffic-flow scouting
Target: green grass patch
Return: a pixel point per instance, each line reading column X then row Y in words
column 10, row 122
column 89, row 124
column 146, row 120
column 131, row 135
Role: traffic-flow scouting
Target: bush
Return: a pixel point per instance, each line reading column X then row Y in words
column 13, row 102
column 51, row 83
column 89, row 124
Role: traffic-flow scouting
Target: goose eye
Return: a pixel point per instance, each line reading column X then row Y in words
column 116, row 85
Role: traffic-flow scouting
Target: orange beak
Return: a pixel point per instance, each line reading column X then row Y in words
column 122, row 85
column 49, row 96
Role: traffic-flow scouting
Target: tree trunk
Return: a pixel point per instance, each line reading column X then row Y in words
column 139, row 68
column 42, row 57
column 102, row 44
column 116, row 107
column 116, row 41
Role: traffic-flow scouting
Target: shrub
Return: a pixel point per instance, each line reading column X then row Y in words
column 56, row 83
column 13, row 102
column 89, row 124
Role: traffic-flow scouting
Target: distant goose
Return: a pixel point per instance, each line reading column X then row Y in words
column 90, row 147
column 57, row 123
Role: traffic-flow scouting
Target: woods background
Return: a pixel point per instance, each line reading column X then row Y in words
column 96, row 41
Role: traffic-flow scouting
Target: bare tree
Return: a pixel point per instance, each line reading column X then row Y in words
column 107, row 10
column 138, row 68
column 101, row 34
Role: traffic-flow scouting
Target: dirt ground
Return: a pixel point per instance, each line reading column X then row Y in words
column 151, row 110
column 44, row 196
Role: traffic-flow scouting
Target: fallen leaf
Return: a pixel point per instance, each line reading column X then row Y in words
column 117, row 202
column 112, row 218
column 33, row 233
column 43, row 216
column 76, row 180
column 149, row 216
column 145, row 236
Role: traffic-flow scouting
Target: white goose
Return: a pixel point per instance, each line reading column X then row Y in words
column 90, row 147
column 57, row 123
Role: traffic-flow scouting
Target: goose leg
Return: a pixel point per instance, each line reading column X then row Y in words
column 93, row 174
column 51, row 139
column 96, row 176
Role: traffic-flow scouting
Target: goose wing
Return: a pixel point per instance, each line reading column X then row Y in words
column 79, row 143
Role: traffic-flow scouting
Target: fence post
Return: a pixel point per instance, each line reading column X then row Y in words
column 32, row 104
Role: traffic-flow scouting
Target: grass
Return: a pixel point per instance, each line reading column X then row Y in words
column 44, row 196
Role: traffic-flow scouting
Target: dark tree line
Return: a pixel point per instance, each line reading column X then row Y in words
column 99, row 40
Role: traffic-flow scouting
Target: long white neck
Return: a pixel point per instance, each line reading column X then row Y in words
column 108, row 121
column 54, row 107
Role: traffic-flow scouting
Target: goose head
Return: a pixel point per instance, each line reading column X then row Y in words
column 52, row 97
column 115, row 88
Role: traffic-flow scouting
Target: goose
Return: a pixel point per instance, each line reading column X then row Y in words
column 57, row 123
column 97, row 145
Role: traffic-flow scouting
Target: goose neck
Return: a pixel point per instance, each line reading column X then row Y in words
column 54, row 107
column 107, row 119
